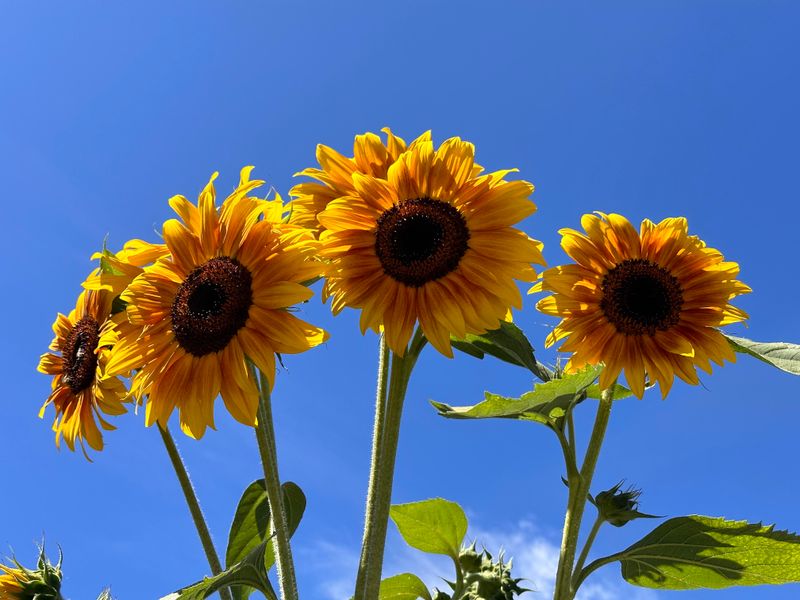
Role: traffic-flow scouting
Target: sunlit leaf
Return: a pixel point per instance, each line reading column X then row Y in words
column 405, row 586
column 437, row 526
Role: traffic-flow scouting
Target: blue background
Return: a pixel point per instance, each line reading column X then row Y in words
column 649, row 109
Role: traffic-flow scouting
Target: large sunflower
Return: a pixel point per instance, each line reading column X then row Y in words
column 646, row 302
column 371, row 156
column 432, row 243
column 82, row 389
column 220, row 297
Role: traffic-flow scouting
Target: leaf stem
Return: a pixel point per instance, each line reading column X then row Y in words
column 194, row 506
column 578, row 493
column 377, row 436
column 265, row 436
column 382, row 478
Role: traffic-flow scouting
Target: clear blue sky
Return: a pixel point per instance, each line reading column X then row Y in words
column 650, row 109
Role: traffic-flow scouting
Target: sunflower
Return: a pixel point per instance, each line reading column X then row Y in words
column 431, row 243
column 12, row 581
column 371, row 156
column 646, row 302
column 82, row 389
column 218, row 298
column 118, row 270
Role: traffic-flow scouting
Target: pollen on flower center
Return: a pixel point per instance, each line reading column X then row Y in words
column 639, row 297
column 420, row 240
column 211, row 305
column 78, row 354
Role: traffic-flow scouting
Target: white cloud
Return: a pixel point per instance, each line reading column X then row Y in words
column 535, row 558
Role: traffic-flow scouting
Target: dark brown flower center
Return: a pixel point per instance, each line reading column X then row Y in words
column 211, row 305
column 640, row 297
column 421, row 240
column 77, row 355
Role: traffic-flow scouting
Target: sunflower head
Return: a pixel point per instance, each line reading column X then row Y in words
column 221, row 295
column 371, row 156
column 19, row 583
column 646, row 302
column 431, row 243
column 82, row 391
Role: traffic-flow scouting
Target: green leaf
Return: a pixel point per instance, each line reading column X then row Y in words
column 507, row 343
column 546, row 402
column 436, row 526
column 620, row 392
column 248, row 573
column 783, row 355
column 706, row 552
column 251, row 525
column 405, row 586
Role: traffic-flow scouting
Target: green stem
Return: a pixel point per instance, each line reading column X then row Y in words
column 594, row 565
column 377, row 436
column 265, row 435
column 578, row 493
column 382, row 479
column 194, row 506
column 587, row 546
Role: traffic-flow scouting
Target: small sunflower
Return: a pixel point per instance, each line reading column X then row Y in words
column 433, row 243
column 82, row 390
column 646, row 302
column 12, row 581
column 118, row 270
column 371, row 156
column 221, row 295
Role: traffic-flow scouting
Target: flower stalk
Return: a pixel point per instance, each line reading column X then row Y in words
column 579, row 485
column 265, row 436
column 194, row 506
column 386, row 433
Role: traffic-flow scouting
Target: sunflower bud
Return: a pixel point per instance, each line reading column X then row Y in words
column 485, row 579
column 618, row 507
column 20, row 583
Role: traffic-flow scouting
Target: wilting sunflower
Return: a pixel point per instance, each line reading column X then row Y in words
column 221, row 296
column 646, row 302
column 370, row 157
column 432, row 243
column 82, row 389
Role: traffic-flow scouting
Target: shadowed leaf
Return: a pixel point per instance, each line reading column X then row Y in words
column 546, row 402
column 252, row 520
column 507, row 343
column 705, row 552
column 783, row 355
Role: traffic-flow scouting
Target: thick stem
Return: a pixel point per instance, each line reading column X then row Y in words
column 194, row 506
column 587, row 546
column 578, row 493
column 384, row 477
column 265, row 435
column 377, row 436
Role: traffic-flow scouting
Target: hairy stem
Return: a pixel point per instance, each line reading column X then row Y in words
column 265, row 435
column 194, row 506
column 382, row 478
column 377, row 436
column 576, row 504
